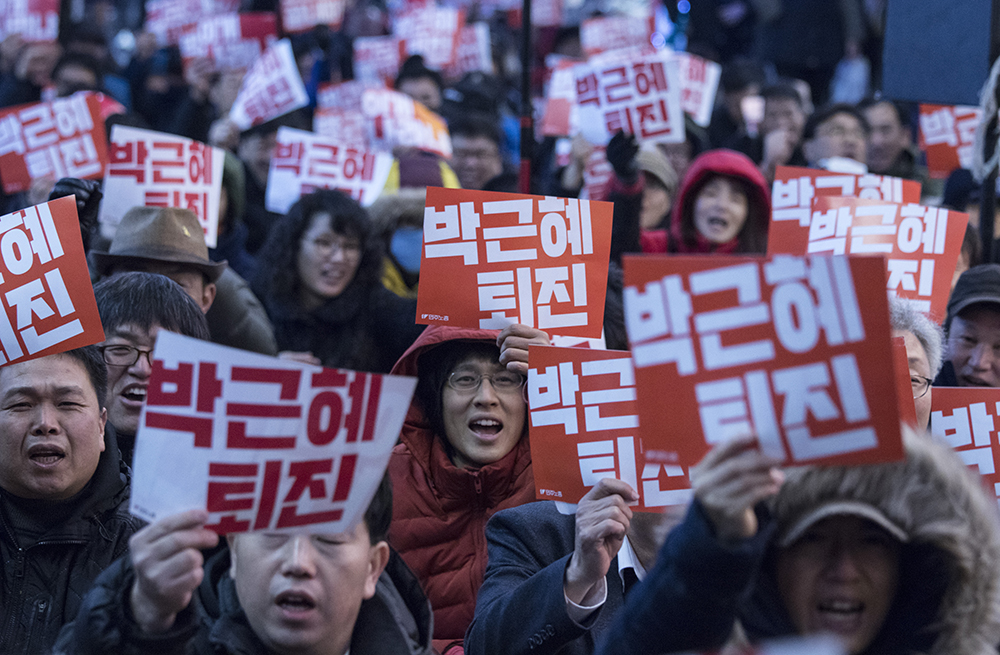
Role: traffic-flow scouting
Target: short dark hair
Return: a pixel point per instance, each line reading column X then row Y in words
column 93, row 362
column 414, row 68
column 473, row 126
column 824, row 114
column 902, row 112
column 781, row 91
column 378, row 516
column 81, row 60
column 148, row 299
column 752, row 237
column 279, row 275
column 741, row 73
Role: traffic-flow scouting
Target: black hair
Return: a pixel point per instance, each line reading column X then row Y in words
column 475, row 125
column 435, row 365
column 739, row 74
column 752, row 237
column 902, row 112
column 82, row 60
column 277, row 258
column 93, row 362
column 378, row 516
column 824, row 114
column 147, row 299
column 781, row 91
column 414, row 68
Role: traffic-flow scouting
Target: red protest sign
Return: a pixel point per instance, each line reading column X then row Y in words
column 699, row 80
column 48, row 303
column 965, row 418
column 597, row 174
column 259, row 442
column 33, row 20
column 473, row 52
column 303, row 162
column 792, row 349
column 584, row 427
column 270, row 89
column 167, row 19
column 395, row 119
column 432, row 32
column 641, row 97
column 904, row 390
column 606, row 33
column 231, row 41
column 947, row 134
column 795, row 188
column 560, row 99
column 921, row 244
column 492, row 259
column 62, row 138
column 303, row 15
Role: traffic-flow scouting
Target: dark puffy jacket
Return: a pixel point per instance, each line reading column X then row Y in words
column 395, row 621
column 440, row 511
column 44, row 582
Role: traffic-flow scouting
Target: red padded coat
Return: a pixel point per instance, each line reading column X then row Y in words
column 440, row 511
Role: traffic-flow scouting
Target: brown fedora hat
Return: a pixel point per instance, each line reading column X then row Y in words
column 162, row 234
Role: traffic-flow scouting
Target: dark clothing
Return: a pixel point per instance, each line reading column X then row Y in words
column 906, row 166
column 396, row 621
column 946, row 377
column 47, row 568
column 237, row 318
column 521, row 607
column 365, row 328
column 257, row 219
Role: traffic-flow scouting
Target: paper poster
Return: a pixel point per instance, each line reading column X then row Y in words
column 965, row 418
column 605, row 33
column 34, row 20
column 48, row 303
column 303, row 162
column 584, row 421
column 493, row 259
column 560, row 115
column 473, row 52
column 303, row 15
column 921, row 244
column 432, row 32
column 167, row 19
column 344, row 95
column 641, row 97
column 161, row 170
column 270, row 89
column 262, row 443
column 699, row 79
column 343, row 126
column 62, row 138
column 395, row 119
column 795, row 189
column 793, row 349
column 947, row 135
column 231, row 41
column 376, row 59
column 597, row 174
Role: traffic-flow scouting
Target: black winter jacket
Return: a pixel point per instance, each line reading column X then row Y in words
column 44, row 582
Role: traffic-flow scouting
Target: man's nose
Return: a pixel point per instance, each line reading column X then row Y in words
column 299, row 557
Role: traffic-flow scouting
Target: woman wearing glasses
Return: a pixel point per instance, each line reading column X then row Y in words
column 320, row 282
column 463, row 456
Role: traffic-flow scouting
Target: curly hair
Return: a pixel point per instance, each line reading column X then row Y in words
column 279, row 273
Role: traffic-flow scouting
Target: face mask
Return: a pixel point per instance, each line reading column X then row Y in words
column 405, row 247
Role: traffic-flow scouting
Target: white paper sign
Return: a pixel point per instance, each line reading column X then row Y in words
column 161, row 170
column 262, row 443
column 272, row 88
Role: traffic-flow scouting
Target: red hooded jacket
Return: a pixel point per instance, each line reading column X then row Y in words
column 713, row 162
column 440, row 511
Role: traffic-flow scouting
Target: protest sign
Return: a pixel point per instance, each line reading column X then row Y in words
column 795, row 189
column 161, row 170
column 921, row 244
column 432, row 32
column 303, row 15
column 965, row 418
column 699, row 80
column 270, row 89
column 544, row 13
column 473, row 52
column 48, row 303
column 376, row 59
column 345, row 95
column 33, row 20
column 794, row 350
column 395, row 119
column 167, row 19
column 559, row 115
column 597, row 174
column 343, row 126
column 904, row 389
column 947, row 134
column 62, row 138
column 231, row 41
column 583, row 409
column 303, row 162
column 262, row 443
column 605, row 33
column 493, row 259
column 641, row 97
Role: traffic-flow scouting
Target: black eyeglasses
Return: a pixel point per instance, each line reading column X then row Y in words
column 920, row 384
column 122, row 355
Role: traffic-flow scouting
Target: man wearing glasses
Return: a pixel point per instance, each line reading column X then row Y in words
column 134, row 307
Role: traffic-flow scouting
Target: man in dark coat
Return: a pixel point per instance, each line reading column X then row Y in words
column 63, row 494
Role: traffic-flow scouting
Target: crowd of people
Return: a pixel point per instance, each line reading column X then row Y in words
column 454, row 553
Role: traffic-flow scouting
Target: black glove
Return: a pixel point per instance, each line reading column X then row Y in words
column 88, row 200
column 621, row 153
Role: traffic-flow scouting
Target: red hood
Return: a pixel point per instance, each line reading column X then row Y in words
column 718, row 162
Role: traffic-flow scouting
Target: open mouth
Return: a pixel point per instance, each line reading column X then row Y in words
column 486, row 426
column 294, row 601
column 718, row 223
column 46, row 455
column 841, row 616
column 134, row 393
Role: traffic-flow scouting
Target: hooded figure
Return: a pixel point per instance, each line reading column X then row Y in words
column 723, row 207
column 441, row 507
column 398, row 222
column 929, row 510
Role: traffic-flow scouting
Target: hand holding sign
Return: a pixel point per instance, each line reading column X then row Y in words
column 514, row 341
column 602, row 519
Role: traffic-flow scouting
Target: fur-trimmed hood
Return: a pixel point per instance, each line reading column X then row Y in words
column 948, row 602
